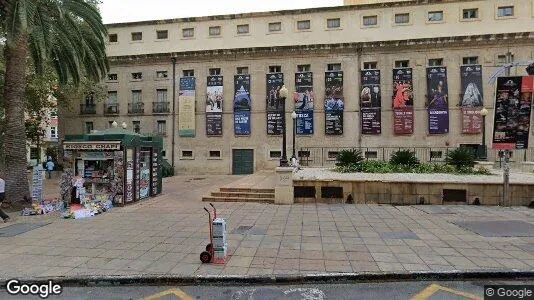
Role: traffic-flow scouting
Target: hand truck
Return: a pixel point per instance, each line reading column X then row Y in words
column 208, row 255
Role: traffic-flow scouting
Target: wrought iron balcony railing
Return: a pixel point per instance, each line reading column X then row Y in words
column 136, row 108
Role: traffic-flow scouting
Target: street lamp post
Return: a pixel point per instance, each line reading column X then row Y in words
column 283, row 97
column 484, row 150
column 294, row 117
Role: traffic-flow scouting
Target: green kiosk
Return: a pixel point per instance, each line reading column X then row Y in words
column 115, row 164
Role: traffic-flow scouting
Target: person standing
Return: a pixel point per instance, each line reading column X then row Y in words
column 3, row 215
column 49, row 168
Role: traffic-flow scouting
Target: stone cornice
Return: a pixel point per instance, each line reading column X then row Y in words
column 456, row 41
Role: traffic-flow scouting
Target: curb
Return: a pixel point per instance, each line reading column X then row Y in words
column 166, row 280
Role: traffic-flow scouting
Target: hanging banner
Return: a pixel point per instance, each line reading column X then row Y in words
column 438, row 102
column 186, row 107
column 334, row 103
column 403, row 118
column 275, row 81
column 508, row 107
column 242, row 105
column 523, row 126
column 370, row 102
column 472, row 98
column 214, row 106
column 304, row 99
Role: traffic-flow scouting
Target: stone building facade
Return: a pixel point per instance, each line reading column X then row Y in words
column 350, row 38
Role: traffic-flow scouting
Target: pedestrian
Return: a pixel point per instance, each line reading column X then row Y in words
column 3, row 215
column 49, row 168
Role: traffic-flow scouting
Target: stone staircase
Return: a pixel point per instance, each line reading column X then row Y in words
column 230, row 194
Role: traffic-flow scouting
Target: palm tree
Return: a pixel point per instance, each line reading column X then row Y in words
column 69, row 34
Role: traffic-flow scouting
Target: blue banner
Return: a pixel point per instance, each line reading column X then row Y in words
column 242, row 122
column 242, row 104
column 305, row 122
column 304, row 99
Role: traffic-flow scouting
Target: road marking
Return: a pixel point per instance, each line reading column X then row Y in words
column 172, row 292
column 434, row 288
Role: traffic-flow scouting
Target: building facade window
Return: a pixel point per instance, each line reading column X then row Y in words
column 470, row 13
column 470, row 60
column 162, row 74
column 137, row 96
column 187, row 153
column 370, row 20
column 137, row 76
column 161, row 127
column 188, row 73
column 501, row 59
column 161, row 95
column 304, row 25
column 402, row 18
column 88, row 127
column 303, row 68
column 215, row 71
column 162, row 34
column 505, row 11
column 53, row 132
column 333, row 23
column 243, row 29
column 242, row 70
column 275, row 154
column 435, row 16
column 215, row 154
column 435, row 62
column 275, row 69
column 402, row 64
column 136, row 126
column 137, row 36
column 215, row 30
column 113, row 37
column 369, row 65
column 275, row 26
column 333, row 67
column 188, row 32
column 112, row 97
column 113, row 77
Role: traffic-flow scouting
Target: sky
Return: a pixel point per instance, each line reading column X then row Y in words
column 119, row 11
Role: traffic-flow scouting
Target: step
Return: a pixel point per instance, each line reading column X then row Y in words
column 234, row 199
column 242, row 195
column 246, row 190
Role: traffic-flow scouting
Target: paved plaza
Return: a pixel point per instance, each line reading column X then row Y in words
column 165, row 235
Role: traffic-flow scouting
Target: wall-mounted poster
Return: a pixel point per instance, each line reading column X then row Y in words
column 472, row 98
column 242, row 104
column 275, row 108
column 403, row 117
column 186, row 107
column 370, row 102
column 334, row 103
column 512, row 112
column 214, row 105
column 438, row 100
column 304, row 99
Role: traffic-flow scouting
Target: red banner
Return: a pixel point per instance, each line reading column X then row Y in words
column 471, row 120
column 403, row 120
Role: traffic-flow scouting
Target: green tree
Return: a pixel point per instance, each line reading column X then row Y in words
column 68, row 34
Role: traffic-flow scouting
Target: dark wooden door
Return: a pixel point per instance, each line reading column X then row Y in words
column 242, row 161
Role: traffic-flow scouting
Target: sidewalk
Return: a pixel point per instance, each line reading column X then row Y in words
column 165, row 235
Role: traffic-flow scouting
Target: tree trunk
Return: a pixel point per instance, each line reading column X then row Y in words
column 16, row 176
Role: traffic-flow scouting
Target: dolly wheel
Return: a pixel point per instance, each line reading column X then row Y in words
column 205, row 257
column 209, row 247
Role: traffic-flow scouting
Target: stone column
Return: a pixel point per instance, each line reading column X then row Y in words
column 283, row 191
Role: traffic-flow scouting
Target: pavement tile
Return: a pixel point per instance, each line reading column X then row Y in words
column 233, row 270
column 312, row 265
column 240, row 261
column 184, row 269
column 390, row 267
column 364, row 266
column 242, row 251
column 263, row 262
column 311, row 254
column 259, row 272
column 384, row 257
column 335, row 255
column 415, row 267
column 288, row 253
column 286, row 264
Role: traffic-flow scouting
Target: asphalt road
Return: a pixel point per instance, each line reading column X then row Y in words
column 377, row 290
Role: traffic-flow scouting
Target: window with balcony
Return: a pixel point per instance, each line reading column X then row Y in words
column 369, row 65
column 111, row 106
column 402, row 63
column 161, row 105
column 162, row 74
column 113, row 77
column 333, row 23
column 275, row 69
column 215, row 30
column 88, row 127
column 505, row 11
column 370, row 20
column 303, row 68
column 188, row 73
column 275, row 27
column 136, row 106
column 53, row 132
column 137, row 36
column 136, row 126
column 113, row 37
column 188, row 32
column 304, row 25
column 137, row 76
column 402, row 18
column 161, row 127
column 89, row 106
column 435, row 62
column 471, row 60
column 162, row 34
column 215, row 71
column 242, row 70
column 435, row 16
column 243, row 29
column 470, row 13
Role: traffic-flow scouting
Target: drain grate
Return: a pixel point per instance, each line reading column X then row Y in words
column 20, row 228
column 397, row 235
column 248, row 230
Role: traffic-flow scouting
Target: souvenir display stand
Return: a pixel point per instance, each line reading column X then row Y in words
column 114, row 166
